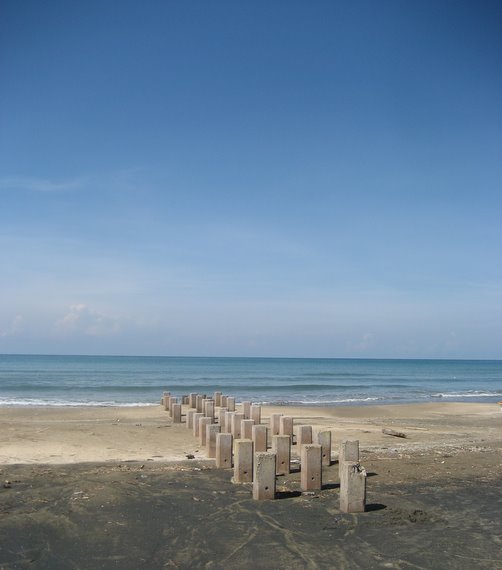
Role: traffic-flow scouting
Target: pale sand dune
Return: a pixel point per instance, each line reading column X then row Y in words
column 97, row 434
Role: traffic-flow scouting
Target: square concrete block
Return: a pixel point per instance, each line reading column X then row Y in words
column 281, row 446
column 352, row 487
column 311, row 467
column 264, row 476
column 224, row 443
column 259, row 436
column 243, row 461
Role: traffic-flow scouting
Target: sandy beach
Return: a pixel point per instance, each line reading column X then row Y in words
column 113, row 487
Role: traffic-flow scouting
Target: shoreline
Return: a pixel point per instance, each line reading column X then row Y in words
column 60, row 435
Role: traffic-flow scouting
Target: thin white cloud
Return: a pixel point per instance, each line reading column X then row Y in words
column 84, row 320
column 32, row 184
column 13, row 328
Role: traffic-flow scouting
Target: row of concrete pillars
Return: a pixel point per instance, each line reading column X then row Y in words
column 238, row 440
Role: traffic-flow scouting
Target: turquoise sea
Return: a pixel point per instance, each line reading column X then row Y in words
column 30, row 380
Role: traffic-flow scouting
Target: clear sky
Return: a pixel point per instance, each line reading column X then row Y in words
column 251, row 178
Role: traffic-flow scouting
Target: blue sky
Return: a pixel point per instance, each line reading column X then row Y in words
column 251, row 178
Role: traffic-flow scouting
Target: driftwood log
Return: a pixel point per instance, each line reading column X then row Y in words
column 388, row 431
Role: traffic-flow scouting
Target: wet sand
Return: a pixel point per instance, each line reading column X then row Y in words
column 112, row 488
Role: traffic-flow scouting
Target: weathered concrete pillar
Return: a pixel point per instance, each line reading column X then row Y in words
column 211, row 432
column 198, row 403
column 247, row 429
column 246, row 410
column 224, row 442
column 236, row 425
column 303, row 435
column 190, row 415
column 217, row 399
column 231, row 404
column 259, row 437
column 176, row 411
column 352, row 487
column 203, row 423
column 264, row 476
column 286, row 426
column 224, row 401
column 209, row 409
column 221, row 418
column 349, row 451
column 192, row 400
column 281, row 446
column 164, row 401
column 196, row 419
column 256, row 413
column 228, row 422
column 243, row 461
column 324, row 440
column 275, row 424
column 172, row 401
column 311, row 467
column 184, row 400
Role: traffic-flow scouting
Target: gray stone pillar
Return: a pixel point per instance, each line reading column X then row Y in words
column 221, row 418
column 275, row 425
column 256, row 413
column 349, row 451
column 176, row 413
column 228, row 422
column 211, row 432
column 243, row 461
column 247, row 429
column 236, row 425
column 192, row 400
column 224, row 401
column 224, row 442
column 281, row 446
column 264, row 476
column 196, row 420
column 259, row 436
column 246, row 410
column 217, row 399
column 303, row 435
column 286, row 426
column 311, row 467
column 203, row 423
column 190, row 415
column 352, row 487
column 198, row 403
column 324, row 440
column 209, row 409
column 231, row 404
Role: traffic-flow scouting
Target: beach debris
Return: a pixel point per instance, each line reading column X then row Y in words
column 190, row 456
column 395, row 433
column 7, row 484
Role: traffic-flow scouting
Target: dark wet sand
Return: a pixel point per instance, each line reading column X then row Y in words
column 433, row 510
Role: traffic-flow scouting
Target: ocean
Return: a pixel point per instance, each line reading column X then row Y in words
column 31, row 380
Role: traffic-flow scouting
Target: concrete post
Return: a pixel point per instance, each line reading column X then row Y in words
column 286, row 426
column 228, row 422
column 198, row 403
column 259, row 436
column 324, row 440
column 221, row 418
column 176, row 410
column 203, row 423
column 184, row 400
column 224, row 450
column 264, row 476
column 217, row 399
column 224, row 401
column 275, row 424
column 352, row 487
column 231, row 404
column 247, row 429
column 243, row 461
column 246, row 410
column 303, row 435
column 192, row 400
column 349, row 451
column 209, row 409
column 165, row 397
column 281, row 446
column 311, row 467
column 211, row 432
column 172, row 401
column 190, row 415
column 236, row 425
column 256, row 413
column 196, row 419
